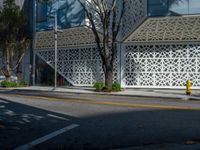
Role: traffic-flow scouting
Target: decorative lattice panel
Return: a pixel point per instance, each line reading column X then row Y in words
column 70, row 37
column 79, row 66
column 162, row 65
column 185, row 28
column 135, row 13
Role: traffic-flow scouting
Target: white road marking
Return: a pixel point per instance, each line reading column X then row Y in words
column 2, row 106
column 46, row 137
column 58, row 117
column 2, row 101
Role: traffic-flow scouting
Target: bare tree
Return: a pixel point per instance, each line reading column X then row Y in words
column 110, row 16
column 13, row 37
column 105, row 17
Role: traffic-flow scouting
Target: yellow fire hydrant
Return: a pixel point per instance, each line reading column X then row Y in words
column 188, row 87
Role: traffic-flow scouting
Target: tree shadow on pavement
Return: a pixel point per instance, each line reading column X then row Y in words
column 20, row 124
column 132, row 129
column 128, row 127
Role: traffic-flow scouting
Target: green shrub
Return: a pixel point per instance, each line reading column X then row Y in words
column 8, row 84
column 99, row 86
column 22, row 83
column 116, row 87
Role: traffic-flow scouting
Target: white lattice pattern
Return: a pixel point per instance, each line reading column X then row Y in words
column 185, row 28
column 70, row 37
column 162, row 65
column 135, row 13
column 79, row 66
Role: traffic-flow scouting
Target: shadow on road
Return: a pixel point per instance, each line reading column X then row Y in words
column 20, row 124
column 132, row 129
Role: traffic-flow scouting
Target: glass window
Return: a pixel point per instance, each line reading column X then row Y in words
column 41, row 12
column 178, row 7
column 194, row 6
column 69, row 12
column 173, row 7
column 158, row 7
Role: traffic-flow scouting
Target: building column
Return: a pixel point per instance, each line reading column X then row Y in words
column 26, row 65
column 122, row 64
column 33, row 69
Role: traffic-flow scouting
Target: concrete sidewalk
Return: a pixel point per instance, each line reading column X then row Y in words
column 157, row 93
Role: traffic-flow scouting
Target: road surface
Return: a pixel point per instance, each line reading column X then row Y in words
column 31, row 120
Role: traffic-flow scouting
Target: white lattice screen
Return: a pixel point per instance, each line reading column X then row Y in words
column 79, row 66
column 161, row 65
column 155, row 54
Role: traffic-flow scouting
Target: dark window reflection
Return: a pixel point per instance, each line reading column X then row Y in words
column 44, row 75
column 41, row 12
column 173, row 7
column 70, row 14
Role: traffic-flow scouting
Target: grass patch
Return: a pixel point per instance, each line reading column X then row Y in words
column 9, row 84
column 101, row 87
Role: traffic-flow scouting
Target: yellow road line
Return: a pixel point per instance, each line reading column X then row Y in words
column 105, row 102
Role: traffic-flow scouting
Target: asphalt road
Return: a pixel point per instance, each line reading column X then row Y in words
column 76, row 121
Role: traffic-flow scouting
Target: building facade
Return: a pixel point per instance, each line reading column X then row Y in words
column 159, row 45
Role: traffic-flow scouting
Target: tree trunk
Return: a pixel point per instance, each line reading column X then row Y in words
column 19, row 72
column 7, row 72
column 109, row 78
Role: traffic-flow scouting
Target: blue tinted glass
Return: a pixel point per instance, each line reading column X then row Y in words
column 158, row 7
column 69, row 13
column 194, row 7
column 178, row 7
column 41, row 12
column 173, row 7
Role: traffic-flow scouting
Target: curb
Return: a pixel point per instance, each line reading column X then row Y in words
column 184, row 98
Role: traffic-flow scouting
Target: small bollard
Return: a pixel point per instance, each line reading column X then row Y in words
column 188, row 87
